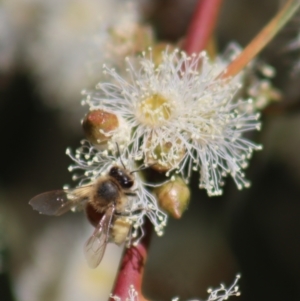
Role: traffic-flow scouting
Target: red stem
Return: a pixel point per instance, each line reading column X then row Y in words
column 202, row 26
column 132, row 267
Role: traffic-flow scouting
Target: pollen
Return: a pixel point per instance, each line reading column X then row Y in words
column 155, row 110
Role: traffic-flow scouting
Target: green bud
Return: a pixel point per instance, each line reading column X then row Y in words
column 173, row 197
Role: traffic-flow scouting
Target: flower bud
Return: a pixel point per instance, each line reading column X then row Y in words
column 173, row 197
column 98, row 125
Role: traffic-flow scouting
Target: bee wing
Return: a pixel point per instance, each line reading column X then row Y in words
column 96, row 244
column 57, row 202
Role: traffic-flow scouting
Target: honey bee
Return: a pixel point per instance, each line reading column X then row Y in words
column 105, row 202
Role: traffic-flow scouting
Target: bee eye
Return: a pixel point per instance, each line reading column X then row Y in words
column 126, row 182
column 124, row 179
column 115, row 172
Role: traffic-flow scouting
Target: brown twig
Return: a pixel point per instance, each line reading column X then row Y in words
column 202, row 26
column 132, row 267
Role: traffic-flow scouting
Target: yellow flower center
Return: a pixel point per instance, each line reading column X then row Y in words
column 155, row 110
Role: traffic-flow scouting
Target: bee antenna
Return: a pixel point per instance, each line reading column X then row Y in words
column 119, row 154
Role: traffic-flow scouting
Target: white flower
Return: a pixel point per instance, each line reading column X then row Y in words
column 182, row 118
column 94, row 164
column 222, row 293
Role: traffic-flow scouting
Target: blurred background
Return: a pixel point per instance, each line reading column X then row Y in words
column 254, row 232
